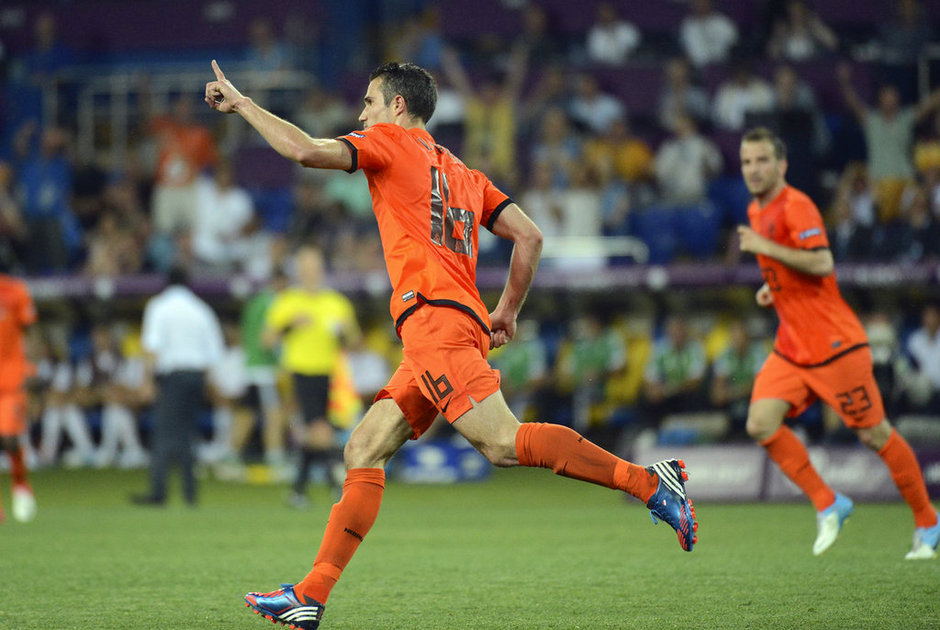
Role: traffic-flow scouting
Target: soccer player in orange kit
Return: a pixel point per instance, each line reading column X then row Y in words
column 820, row 351
column 16, row 313
column 429, row 207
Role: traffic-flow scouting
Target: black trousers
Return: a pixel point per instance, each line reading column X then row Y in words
column 179, row 398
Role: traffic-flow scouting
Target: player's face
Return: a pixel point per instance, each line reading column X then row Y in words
column 375, row 110
column 761, row 168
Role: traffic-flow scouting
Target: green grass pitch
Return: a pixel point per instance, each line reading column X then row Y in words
column 523, row 550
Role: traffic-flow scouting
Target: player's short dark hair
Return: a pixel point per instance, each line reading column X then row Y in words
column 760, row 134
column 414, row 83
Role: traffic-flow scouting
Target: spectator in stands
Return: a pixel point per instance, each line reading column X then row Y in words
column 902, row 41
column 685, row 163
column 672, row 381
column 551, row 91
column 611, row 39
column 923, row 347
column 322, row 114
column 706, row 35
column 850, row 239
column 418, row 39
column 227, row 382
column 223, row 211
column 742, row 94
column 266, row 55
column 592, row 109
column 13, row 231
column 794, row 98
column 314, row 218
column 619, row 152
column 490, row 122
column 523, row 367
column 542, row 201
column 45, row 187
column 887, row 362
column 60, row 413
column 800, row 34
column 184, row 150
column 917, row 236
column 112, row 250
column 889, row 134
column 733, row 375
column 582, row 218
column 680, row 96
column 557, row 146
column 542, row 45
column 123, row 397
column 592, row 352
column 927, row 161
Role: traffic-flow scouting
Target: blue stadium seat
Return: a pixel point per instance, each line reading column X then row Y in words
column 656, row 226
column 698, row 227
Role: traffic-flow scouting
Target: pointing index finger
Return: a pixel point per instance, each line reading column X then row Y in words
column 218, row 71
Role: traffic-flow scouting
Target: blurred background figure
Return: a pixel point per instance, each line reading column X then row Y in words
column 183, row 339
column 611, row 39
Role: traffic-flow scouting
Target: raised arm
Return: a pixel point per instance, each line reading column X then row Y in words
column 816, row 262
column 928, row 104
column 849, row 94
column 283, row 136
column 513, row 224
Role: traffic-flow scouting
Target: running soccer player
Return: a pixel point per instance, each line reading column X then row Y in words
column 16, row 313
column 429, row 207
column 820, row 350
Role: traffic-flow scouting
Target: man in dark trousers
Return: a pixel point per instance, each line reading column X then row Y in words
column 182, row 338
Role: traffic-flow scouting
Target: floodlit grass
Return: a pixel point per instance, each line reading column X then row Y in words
column 523, row 550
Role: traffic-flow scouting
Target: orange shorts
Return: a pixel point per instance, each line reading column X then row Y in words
column 444, row 366
column 847, row 384
column 12, row 413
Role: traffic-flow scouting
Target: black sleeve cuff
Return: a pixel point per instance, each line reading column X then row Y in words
column 498, row 211
column 355, row 155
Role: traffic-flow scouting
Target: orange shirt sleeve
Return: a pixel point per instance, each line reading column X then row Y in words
column 494, row 202
column 373, row 149
column 805, row 225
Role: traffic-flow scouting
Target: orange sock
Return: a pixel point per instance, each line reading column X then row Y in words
column 905, row 470
column 791, row 456
column 18, row 470
column 567, row 453
column 350, row 520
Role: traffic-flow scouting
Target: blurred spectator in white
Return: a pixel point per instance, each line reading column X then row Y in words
column 227, row 382
column 124, row 397
column 741, row 94
column 60, row 413
column 417, row 39
column 706, row 35
column 557, row 146
column 490, row 122
column 582, row 219
column 611, row 39
column 592, row 109
column 224, row 210
column 542, row 200
column 184, row 150
column 923, row 347
column 800, row 34
column 680, row 96
column 849, row 239
column 258, row 250
column 685, row 163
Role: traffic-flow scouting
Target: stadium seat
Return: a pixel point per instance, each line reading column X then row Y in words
column 698, row 228
column 655, row 226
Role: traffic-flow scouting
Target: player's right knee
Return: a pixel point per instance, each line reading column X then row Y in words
column 760, row 429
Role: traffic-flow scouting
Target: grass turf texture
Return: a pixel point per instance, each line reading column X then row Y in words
column 523, row 550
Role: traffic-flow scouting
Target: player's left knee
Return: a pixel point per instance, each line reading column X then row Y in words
column 875, row 437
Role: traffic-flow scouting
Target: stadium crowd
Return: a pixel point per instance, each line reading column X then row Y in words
column 602, row 132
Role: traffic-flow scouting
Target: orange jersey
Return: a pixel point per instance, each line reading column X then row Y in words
column 816, row 324
column 429, row 208
column 16, row 312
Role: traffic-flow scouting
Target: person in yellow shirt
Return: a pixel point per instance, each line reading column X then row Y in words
column 312, row 324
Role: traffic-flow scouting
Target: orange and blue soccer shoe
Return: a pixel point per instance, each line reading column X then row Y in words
column 926, row 541
column 284, row 607
column 670, row 503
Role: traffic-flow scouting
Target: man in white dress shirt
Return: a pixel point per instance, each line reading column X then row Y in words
column 183, row 339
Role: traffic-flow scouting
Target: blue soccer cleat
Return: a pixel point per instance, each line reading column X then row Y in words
column 926, row 541
column 829, row 522
column 284, row 607
column 670, row 503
